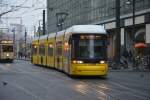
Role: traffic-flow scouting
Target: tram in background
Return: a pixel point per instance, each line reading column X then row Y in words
column 80, row 50
column 6, row 50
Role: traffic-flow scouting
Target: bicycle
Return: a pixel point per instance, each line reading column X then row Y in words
column 140, row 63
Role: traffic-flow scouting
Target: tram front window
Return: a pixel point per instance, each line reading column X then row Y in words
column 7, row 48
column 91, row 47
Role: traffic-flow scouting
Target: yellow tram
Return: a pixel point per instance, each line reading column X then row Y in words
column 79, row 50
column 6, row 50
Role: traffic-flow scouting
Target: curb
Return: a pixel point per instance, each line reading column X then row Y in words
column 129, row 70
column 24, row 59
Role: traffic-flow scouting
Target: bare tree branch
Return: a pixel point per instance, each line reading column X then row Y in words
column 12, row 9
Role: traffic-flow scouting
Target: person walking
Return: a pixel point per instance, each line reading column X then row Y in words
column 130, row 56
column 125, row 58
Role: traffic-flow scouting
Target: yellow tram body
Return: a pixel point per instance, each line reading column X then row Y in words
column 50, row 51
column 79, row 50
column 35, row 51
column 90, row 69
column 42, row 51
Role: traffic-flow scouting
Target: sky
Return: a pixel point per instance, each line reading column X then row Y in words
column 28, row 12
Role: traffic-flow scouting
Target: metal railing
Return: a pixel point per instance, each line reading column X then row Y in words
column 138, row 63
column 141, row 63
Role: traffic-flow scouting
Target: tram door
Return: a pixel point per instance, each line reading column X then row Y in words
column 58, row 58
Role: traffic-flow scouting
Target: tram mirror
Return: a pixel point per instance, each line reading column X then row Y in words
column 70, row 40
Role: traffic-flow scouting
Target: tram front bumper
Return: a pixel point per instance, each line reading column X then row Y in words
column 90, row 69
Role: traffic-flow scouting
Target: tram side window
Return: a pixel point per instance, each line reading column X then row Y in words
column 34, row 50
column 42, row 50
column 50, row 50
column 7, row 48
column 59, row 48
column 59, row 51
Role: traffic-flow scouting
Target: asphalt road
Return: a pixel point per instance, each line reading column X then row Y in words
column 23, row 81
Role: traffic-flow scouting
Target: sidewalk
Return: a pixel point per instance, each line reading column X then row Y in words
column 128, row 70
column 129, row 67
column 26, row 59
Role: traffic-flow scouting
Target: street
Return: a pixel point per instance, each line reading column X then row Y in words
column 22, row 80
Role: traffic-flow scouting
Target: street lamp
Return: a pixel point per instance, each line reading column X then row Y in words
column 128, row 2
column 39, row 28
column 25, row 42
column 61, row 17
column 14, row 38
column 118, row 45
column 44, row 29
column 132, row 2
column 118, row 40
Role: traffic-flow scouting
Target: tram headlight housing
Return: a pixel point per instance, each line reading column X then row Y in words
column 77, row 61
column 102, row 61
column 7, row 54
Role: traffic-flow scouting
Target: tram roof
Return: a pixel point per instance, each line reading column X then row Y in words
column 43, row 37
column 36, row 38
column 60, row 33
column 40, row 38
column 51, row 35
column 87, row 29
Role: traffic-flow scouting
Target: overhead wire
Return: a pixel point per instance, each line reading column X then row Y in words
column 15, row 1
column 15, row 8
column 33, row 8
column 12, row 9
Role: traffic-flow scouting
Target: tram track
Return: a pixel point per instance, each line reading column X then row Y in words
column 109, row 91
column 101, row 90
column 28, row 78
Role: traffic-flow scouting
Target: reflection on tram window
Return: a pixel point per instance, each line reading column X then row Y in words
column 34, row 49
column 42, row 50
column 89, row 47
column 7, row 48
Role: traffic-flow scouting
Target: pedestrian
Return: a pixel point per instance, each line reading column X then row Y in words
column 21, row 54
column 125, row 58
column 126, row 54
column 130, row 56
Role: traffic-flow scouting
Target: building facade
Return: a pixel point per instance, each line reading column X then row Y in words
column 103, row 12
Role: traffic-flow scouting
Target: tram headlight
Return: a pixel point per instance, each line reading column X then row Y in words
column 77, row 62
column 74, row 61
column 7, row 54
column 102, row 61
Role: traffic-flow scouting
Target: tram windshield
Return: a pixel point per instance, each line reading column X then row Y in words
column 89, row 47
column 7, row 48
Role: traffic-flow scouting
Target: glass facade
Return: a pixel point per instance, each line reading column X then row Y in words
column 88, row 11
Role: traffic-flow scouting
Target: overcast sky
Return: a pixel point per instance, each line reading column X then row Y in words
column 30, row 12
